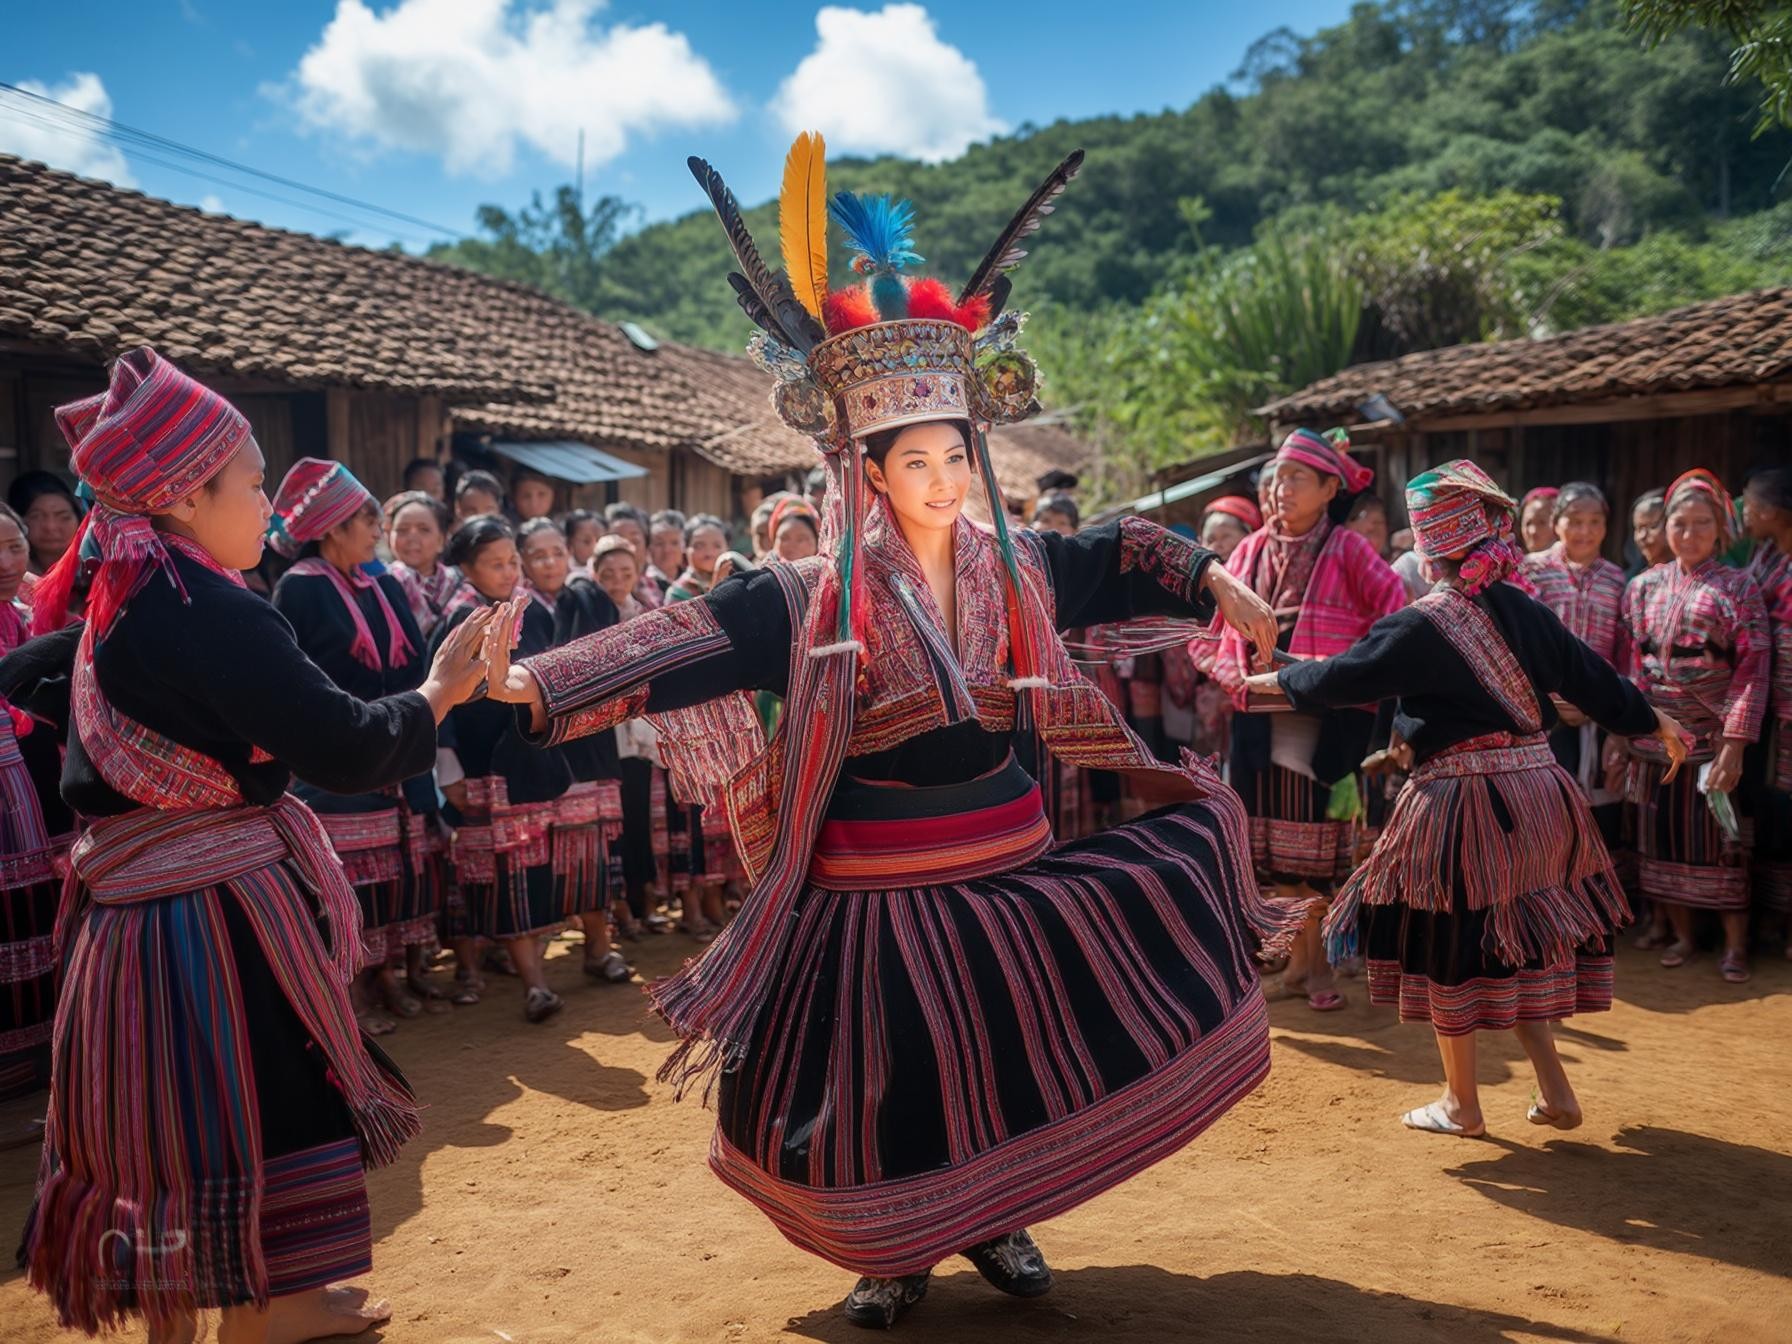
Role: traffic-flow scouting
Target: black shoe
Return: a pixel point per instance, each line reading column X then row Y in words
column 877, row 1304
column 1012, row 1263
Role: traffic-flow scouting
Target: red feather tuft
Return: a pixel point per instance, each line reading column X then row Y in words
column 932, row 300
column 973, row 313
column 847, row 310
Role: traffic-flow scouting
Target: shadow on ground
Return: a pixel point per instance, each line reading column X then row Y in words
column 1145, row 1302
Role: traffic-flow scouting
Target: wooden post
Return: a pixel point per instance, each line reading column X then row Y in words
column 336, row 423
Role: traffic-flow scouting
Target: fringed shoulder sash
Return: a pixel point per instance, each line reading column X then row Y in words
column 1494, row 818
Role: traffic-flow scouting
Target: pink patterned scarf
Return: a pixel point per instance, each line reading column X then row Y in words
column 362, row 648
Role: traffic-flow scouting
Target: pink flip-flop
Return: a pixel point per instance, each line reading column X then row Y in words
column 1734, row 968
column 1326, row 1001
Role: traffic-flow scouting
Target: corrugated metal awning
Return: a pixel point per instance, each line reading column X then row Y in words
column 1195, row 485
column 579, row 463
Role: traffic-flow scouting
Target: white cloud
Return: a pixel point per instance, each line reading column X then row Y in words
column 469, row 79
column 62, row 139
column 885, row 83
column 211, row 204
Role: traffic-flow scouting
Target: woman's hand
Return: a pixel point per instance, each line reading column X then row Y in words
column 1726, row 768
column 505, row 682
column 1570, row 716
column 458, row 667
column 1674, row 740
column 1264, row 686
column 1243, row 610
column 1395, row 758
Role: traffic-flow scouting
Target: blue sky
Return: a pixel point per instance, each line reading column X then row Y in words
column 430, row 107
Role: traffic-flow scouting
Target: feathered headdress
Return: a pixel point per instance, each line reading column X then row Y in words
column 889, row 350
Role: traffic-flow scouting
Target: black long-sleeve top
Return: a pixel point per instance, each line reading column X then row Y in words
column 1113, row 572
column 487, row 737
column 224, row 675
column 325, row 631
column 1441, row 701
column 582, row 608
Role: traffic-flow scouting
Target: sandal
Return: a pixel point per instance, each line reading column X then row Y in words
column 698, row 933
column 541, row 1004
column 658, row 923
column 1282, row 988
column 611, row 968
column 1539, row 1114
column 1677, row 954
column 1326, row 1001
column 464, row 995
column 1734, row 967
column 376, row 1024
column 1650, row 939
column 1432, row 1120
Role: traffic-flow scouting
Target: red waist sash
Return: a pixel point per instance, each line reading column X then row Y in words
column 932, row 836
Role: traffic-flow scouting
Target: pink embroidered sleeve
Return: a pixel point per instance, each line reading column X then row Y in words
column 598, row 681
column 1746, row 704
column 1174, row 562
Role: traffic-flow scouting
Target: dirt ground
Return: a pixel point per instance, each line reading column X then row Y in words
column 559, row 1194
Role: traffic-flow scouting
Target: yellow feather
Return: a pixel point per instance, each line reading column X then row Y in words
column 803, row 220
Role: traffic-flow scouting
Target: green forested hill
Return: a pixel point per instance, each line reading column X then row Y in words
column 1428, row 172
column 1411, row 96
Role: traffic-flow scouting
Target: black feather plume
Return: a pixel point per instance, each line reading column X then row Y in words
column 754, row 307
column 1006, row 254
column 776, row 307
column 999, row 289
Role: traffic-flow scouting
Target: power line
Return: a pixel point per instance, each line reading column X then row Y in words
column 139, row 140
column 307, row 207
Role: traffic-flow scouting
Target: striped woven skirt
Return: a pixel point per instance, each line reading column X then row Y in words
column 371, row 845
column 503, row 862
column 987, row 1032
column 587, row 826
column 1684, row 856
column 1490, row 898
column 201, row 1150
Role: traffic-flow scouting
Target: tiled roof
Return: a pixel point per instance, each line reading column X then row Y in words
column 1735, row 341
column 1022, row 453
column 95, row 270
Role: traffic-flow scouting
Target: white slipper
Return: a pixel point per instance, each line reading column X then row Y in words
column 1432, row 1120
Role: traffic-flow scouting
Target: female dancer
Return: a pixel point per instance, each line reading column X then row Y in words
column 1702, row 645
column 926, row 1027
column 1767, row 504
column 360, row 631
column 508, row 798
column 417, row 527
column 588, row 816
column 212, row 1103
column 1488, row 900
column 1327, row 586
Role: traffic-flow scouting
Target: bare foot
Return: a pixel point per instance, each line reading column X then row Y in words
column 323, row 1312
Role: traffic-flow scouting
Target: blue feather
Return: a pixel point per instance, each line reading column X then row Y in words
column 890, row 296
column 878, row 229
